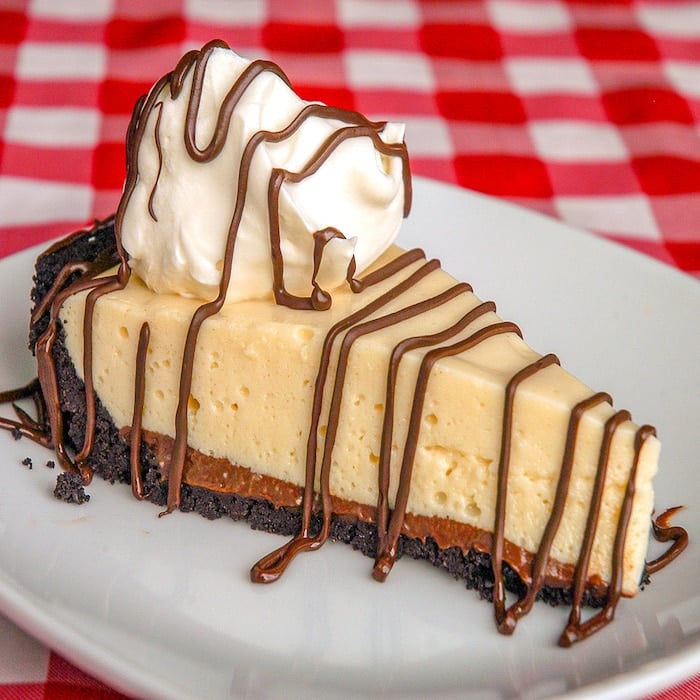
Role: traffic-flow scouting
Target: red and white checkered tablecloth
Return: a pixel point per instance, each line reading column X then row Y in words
column 586, row 110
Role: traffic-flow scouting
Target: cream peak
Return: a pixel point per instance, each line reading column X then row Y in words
column 224, row 152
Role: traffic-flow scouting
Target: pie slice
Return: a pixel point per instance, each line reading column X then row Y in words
column 392, row 409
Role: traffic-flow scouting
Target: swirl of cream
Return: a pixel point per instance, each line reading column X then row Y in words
column 187, row 199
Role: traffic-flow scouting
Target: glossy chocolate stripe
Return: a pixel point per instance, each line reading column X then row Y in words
column 272, row 566
column 499, row 524
column 321, row 298
column 351, row 336
column 159, row 153
column 615, row 587
column 46, row 401
column 26, row 425
column 386, row 561
column 46, row 371
column 137, row 414
column 71, row 268
column 384, row 465
column 539, row 566
column 574, row 630
column 218, row 139
column 106, row 286
column 244, row 81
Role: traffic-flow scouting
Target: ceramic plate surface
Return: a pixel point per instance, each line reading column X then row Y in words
column 164, row 607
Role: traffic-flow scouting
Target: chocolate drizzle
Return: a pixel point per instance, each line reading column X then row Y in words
column 385, row 310
column 26, row 425
column 665, row 532
column 387, row 554
column 509, row 618
column 271, row 567
column 499, row 593
column 359, row 128
column 47, row 374
column 385, row 551
column 137, row 415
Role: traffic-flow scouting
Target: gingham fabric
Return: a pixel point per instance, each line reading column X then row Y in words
column 588, row 111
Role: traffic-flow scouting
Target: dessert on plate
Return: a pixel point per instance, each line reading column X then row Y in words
column 244, row 339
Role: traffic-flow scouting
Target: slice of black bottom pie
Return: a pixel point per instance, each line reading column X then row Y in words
column 398, row 412
column 407, row 419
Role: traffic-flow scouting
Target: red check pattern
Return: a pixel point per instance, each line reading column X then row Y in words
column 585, row 110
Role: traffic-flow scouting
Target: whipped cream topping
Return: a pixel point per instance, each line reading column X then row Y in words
column 177, row 218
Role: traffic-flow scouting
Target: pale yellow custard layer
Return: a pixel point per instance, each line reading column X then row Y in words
column 255, row 368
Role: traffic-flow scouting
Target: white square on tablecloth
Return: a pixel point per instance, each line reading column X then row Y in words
column 536, row 17
column 536, row 76
column 48, row 61
column 684, row 76
column 671, row 19
column 58, row 126
column 620, row 214
column 390, row 69
column 389, row 13
column 578, row 141
column 226, row 11
column 73, row 10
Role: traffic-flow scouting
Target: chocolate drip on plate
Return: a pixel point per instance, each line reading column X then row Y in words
column 26, row 425
column 665, row 532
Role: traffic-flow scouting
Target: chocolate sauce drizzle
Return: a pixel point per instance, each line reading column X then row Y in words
column 137, row 415
column 408, row 269
column 665, row 532
column 386, row 556
column 499, row 593
column 508, row 619
column 26, row 426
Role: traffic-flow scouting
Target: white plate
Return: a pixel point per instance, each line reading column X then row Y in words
column 164, row 608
